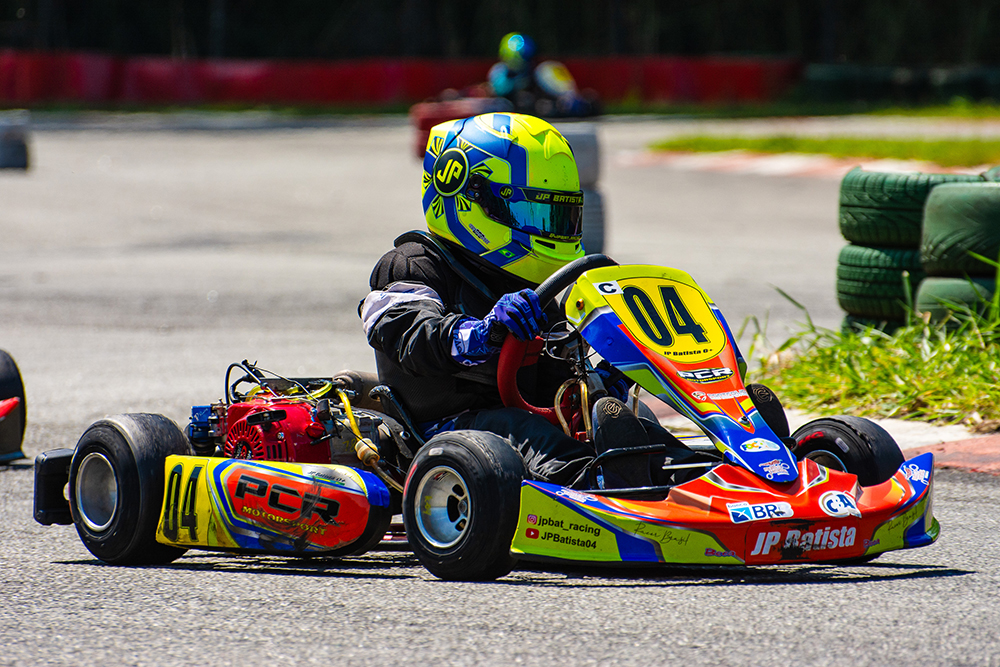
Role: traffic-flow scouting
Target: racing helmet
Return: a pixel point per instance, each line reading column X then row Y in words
column 505, row 187
column 516, row 50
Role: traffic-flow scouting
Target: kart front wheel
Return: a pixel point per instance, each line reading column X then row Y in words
column 850, row 444
column 116, row 487
column 460, row 505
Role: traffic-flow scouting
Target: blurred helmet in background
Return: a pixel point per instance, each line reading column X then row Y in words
column 517, row 51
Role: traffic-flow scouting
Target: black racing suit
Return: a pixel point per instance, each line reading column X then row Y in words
column 420, row 290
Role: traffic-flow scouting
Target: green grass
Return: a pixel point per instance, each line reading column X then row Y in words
column 946, row 372
column 946, row 152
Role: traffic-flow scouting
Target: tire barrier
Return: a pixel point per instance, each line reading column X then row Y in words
column 886, row 209
column 961, row 218
column 871, row 284
column 940, row 296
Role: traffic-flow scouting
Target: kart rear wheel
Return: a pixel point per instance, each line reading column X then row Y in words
column 116, row 487
column 12, row 427
column 460, row 505
column 850, row 444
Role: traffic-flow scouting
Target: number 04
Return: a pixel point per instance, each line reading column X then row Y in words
column 652, row 324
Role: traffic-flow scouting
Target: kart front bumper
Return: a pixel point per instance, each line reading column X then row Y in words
column 730, row 516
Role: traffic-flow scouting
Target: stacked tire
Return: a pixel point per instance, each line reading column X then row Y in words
column 959, row 219
column 881, row 215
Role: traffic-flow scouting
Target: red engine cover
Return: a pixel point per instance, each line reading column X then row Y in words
column 284, row 440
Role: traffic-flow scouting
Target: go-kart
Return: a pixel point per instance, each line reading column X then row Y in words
column 318, row 466
column 837, row 490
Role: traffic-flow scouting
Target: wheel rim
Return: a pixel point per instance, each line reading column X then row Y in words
column 443, row 507
column 96, row 492
column 827, row 459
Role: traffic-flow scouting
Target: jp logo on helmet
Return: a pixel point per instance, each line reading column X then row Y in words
column 451, row 171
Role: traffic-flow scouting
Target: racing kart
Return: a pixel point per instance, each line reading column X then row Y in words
column 318, row 466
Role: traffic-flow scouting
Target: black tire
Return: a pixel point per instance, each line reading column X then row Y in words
column 116, row 487
column 769, row 407
column 959, row 218
column 939, row 296
column 12, row 428
column 473, row 479
column 850, row 444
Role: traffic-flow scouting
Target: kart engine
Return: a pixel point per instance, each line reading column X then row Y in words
column 278, row 429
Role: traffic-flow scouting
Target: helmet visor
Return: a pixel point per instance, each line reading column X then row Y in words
column 549, row 213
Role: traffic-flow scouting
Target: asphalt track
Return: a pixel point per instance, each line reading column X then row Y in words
column 135, row 265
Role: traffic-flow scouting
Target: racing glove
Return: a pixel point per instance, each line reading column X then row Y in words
column 475, row 341
column 615, row 382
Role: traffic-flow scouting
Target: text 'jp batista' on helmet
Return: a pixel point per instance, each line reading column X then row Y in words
column 505, row 187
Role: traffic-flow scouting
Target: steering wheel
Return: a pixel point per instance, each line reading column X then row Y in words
column 512, row 354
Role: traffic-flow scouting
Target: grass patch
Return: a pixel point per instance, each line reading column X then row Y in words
column 946, row 373
column 945, row 152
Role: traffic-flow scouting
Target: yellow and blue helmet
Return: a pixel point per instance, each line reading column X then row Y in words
column 505, row 187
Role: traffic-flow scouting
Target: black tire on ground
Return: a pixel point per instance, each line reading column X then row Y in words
column 116, row 487
column 12, row 428
column 850, row 444
column 959, row 218
column 461, row 503
column 939, row 296
column 769, row 407
column 593, row 222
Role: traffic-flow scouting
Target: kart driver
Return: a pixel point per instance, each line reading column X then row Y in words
column 546, row 88
column 442, row 303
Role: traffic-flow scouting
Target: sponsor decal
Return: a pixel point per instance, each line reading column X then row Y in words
column 760, row 445
column 506, row 192
column 532, row 519
column 609, row 287
column 531, row 533
column 713, row 553
column 825, row 538
column 573, row 495
column 744, row 511
column 705, row 375
column 838, row 504
column 479, row 235
column 721, row 396
column 871, row 543
column 915, row 473
column 774, row 467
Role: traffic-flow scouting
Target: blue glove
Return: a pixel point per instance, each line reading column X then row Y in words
column 474, row 341
column 521, row 313
column 616, row 389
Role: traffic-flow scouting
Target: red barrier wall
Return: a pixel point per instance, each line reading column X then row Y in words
column 28, row 78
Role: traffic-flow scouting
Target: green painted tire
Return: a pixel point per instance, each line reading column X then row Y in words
column 870, row 281
column 959, row 218
column 936, row 293
column 886, row 209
